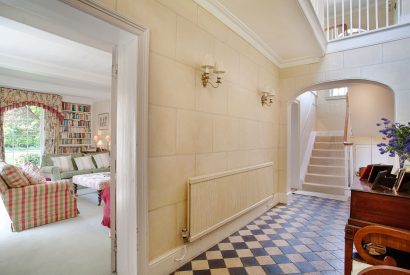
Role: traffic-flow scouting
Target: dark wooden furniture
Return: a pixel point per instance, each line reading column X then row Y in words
column 369, row 207
column 384, row 270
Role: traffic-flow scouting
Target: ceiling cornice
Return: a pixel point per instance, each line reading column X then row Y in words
column 220, row 12
column 223, row 14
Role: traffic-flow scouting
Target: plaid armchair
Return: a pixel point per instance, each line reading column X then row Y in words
column 38, row 204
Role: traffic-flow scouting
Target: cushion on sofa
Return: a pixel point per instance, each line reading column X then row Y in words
column 84, row 163
column 102, row 160
column 32, row 173
column 3, row 186
column 13, row 176
column 64, row 163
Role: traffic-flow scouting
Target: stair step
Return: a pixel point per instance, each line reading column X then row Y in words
column 328, row 153
column 326, row 170
column 329, row 139
column 327, row 161
column 333, row 180
column 328, row 145
column 323, row 188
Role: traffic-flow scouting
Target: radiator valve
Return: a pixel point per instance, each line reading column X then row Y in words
column 185, row 233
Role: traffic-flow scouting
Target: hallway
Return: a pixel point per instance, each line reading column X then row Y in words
column 305, row 236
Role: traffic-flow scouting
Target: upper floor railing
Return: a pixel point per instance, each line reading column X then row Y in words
column 342, row 18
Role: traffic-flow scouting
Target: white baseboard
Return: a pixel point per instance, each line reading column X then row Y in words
column 284, row 197
column 323, row 195
column 167, row 263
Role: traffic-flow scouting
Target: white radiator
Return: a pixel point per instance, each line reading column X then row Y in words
column 215, row 199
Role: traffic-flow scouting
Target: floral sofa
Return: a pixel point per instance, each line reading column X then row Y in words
column 49, row 170
column 30, row 204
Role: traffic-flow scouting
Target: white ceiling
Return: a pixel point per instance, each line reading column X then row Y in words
column 36, row 60
column 279, row 28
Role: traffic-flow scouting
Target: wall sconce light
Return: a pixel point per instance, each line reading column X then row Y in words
column 267, row 95
column 209, row 66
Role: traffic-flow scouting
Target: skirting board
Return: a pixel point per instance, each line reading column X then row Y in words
column 284, row 197
column 166, row 263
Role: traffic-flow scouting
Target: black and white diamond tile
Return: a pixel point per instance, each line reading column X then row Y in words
column 304, row 237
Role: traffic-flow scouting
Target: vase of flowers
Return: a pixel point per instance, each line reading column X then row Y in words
column 397, row 140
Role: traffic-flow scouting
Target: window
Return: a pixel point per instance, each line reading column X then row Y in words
column 23, row 134
column 337, row 93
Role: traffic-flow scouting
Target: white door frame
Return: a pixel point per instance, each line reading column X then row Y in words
column 132, row 194
column 294, row 149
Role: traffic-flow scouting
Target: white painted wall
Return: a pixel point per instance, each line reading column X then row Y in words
column 77, row 99
column 365, row 152
column 100, row 107
column 307, row 118
column 369, row 103
column 330, row 113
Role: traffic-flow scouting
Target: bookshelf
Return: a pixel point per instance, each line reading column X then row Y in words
column 75, row 129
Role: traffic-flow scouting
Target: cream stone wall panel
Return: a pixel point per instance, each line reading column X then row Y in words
column 238, row 43
column 162, row 131
column 160, row 20
column 212, row 25
column 283, row 157
column 266, row 133
column 162, row 230
column 169, row 186
column 194, row 132
column 395, row 75
column 302, row 82
column 209, row 99
column 396, row 50
column 237, row 159
column 164, row 73
column 259, row 156
column 226, row 134
column 248, row 134
column 248, row 73
column 230, row 58
column 294, row 71
column 329, row 62
column 363, row 56
column 241, row 102
column 193, row 43
column 351, row 73
column 185, row 8
column 210, row 163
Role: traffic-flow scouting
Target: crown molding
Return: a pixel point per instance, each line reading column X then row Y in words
column 223, row 14
column 220, row 12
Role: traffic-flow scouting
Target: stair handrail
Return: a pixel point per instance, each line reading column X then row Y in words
column 346, row 141
column 348, row 144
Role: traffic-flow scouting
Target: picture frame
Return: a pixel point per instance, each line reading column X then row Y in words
column 403, row 181
column 103, row 121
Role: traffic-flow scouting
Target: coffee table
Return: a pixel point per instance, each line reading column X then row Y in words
column 97, row 181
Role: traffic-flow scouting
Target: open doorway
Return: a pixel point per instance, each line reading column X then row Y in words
column 128, row 44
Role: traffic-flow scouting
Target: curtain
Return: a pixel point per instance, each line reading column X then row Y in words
column 2, row 154
column 15, row 98
column 51, row 133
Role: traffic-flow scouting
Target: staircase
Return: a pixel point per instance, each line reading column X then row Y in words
column 326, row 170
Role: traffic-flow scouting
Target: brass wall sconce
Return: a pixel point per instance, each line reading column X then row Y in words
column 210, row 67
column 267, row 95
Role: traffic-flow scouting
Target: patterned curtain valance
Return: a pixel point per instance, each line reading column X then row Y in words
column 14, row 98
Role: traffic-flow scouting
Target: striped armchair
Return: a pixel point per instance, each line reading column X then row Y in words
column 39, row 204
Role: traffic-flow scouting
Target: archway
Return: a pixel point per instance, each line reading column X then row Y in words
column 362, row 91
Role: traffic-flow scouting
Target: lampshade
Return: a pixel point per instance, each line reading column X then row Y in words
column 208, row 61
column 219, row 67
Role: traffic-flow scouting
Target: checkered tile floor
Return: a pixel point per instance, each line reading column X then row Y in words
column 303, row 237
